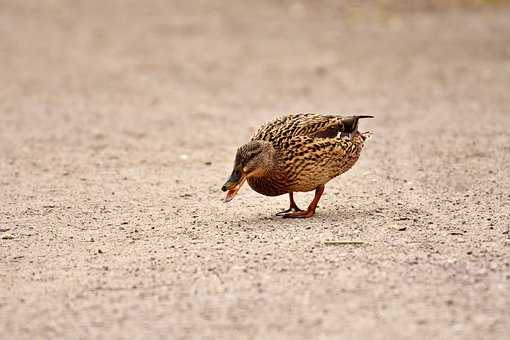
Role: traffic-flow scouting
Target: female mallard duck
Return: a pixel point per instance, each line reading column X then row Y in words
column 297, row 153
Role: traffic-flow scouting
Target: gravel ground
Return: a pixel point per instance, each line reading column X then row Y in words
column 118, row 125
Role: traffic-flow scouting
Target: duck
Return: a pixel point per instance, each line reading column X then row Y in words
column 297, row 153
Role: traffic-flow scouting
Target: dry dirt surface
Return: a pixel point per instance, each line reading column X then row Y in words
column 119, row 121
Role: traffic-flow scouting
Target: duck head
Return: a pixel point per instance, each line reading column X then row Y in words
column 253, row 159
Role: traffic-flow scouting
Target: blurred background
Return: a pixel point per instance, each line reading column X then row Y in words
column 119, row 121
column 175, row 60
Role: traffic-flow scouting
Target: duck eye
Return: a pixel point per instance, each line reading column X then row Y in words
column 254, row 153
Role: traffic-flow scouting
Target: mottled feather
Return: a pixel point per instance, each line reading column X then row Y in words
column 309, row 152
column 282, row 129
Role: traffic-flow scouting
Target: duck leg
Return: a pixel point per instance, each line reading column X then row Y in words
column 311, row 208
column 293, row 206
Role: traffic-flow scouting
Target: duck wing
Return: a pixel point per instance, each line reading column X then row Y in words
column 281, row 130
column 309, row 161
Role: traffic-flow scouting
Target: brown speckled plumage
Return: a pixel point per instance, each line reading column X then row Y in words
column 310, row 152
column 302, row 153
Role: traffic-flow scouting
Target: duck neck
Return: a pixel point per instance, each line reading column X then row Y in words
column 270, row 158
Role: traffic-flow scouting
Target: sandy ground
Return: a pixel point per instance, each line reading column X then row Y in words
column 118, row 126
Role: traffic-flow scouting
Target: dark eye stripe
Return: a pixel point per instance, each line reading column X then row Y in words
column 253, row 153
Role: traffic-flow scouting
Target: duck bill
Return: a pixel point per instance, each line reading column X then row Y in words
column 233, row 185
column 232, row 192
